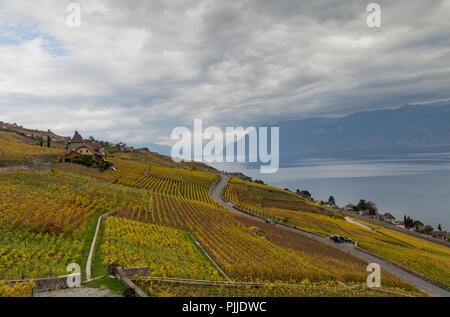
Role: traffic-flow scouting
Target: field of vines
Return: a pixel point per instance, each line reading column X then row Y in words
column 167, row 252
column 12, row 148
column 194, row 185
column 305, row 289
column 44, row 218
column 244, row 255
column 160, row 160
column 24, row 289
column 271, row 192
column 163, row 185
column 425, row 257
column 82, row 170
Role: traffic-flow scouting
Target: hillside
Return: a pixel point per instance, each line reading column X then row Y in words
column 20, row 144
column 163, row 217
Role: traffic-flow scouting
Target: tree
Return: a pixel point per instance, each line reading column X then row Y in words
column 305, row 194
column 418, row 224
column 49, row 141
column 409, row 222
column 428, row 229
column 297, row 191
column 105, row 165
column 332, row 200
column 362, row 205
column 439, row 227
column 372, row 208
column 86, row 160
column 41, row 142
column 367, row 205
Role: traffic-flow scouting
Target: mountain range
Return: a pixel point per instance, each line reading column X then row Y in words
column 408, row 129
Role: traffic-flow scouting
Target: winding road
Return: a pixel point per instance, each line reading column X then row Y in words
column 430, row 288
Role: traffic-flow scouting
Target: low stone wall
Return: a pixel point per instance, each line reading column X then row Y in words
column 140, row 271
column 46, row 284
column 132, row 290
column 5, row 164
column 27, row 168
column 44, row 159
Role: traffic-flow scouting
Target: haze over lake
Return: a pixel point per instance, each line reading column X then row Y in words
column 417, row 185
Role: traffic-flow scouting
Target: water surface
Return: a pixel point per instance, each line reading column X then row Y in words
column 417, row 185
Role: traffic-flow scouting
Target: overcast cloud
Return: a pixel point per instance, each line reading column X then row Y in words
column 137, row 69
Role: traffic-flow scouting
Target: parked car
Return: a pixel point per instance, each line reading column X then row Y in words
column 269, row 221
column 340, row 239
column 335, row 238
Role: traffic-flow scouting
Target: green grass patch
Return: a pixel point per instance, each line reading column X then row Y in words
column 110, row 283
column 97, row 266
column 89, row 236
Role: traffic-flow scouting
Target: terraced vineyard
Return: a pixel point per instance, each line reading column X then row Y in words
column 305, row 289
column 44, row 219
column 244, row 255
column 427, row 258
column 16, row 290
column 15, row 148
column 165, row 251
column 156, row 184
column 192, row 185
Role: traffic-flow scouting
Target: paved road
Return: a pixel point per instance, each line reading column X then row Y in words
column 347, row 247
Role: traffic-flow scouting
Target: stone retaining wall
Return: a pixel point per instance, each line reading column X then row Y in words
column 46, row 284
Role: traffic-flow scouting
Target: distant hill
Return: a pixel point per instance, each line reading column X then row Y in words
column 161, row 149
column 409, row 129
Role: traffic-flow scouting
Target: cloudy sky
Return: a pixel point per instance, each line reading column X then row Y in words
column 134, row 70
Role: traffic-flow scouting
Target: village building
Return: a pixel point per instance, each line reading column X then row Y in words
column 78, row 147
column 439, row 234
column 365, row 212
column 388, row 218
column 349, row 207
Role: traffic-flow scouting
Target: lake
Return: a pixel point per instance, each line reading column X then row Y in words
column 417, row 185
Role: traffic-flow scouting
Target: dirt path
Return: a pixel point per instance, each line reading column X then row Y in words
column 216, row 194
column 358, row 223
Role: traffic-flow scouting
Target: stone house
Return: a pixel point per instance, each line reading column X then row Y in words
column 78, row 147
